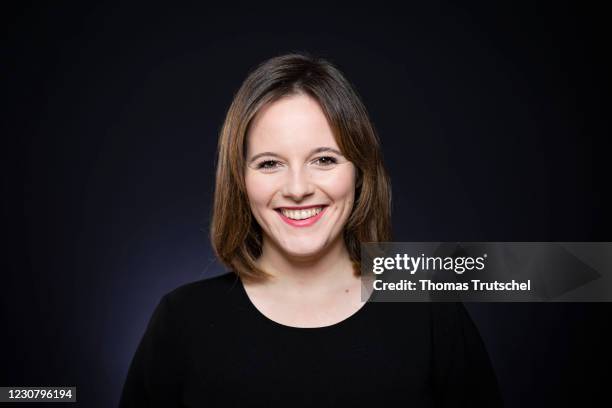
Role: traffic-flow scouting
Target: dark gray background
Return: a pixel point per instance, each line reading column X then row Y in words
column 492, row 120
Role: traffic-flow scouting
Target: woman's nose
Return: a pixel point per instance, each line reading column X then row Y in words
column 298, row 184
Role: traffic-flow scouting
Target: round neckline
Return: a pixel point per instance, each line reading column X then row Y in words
column 271, row 322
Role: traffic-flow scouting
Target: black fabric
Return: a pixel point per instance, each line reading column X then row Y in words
column 207, row 345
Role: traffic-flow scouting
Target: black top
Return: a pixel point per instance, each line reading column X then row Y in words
column 208, row 345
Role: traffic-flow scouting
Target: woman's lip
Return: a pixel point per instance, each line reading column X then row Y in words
column 301, row 208
column 302, row 223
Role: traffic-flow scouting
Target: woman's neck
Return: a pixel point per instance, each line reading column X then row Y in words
column 319, row 273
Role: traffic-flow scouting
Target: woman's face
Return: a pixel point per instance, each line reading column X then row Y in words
column 301, row 188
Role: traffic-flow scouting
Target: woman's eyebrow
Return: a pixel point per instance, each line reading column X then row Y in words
column 313, row 151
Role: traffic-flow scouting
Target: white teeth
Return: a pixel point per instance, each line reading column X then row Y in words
column 301, row 214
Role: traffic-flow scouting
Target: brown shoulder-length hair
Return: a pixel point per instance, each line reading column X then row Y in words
column 235, row 235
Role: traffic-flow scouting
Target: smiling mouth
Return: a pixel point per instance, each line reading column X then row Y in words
column 303, row 214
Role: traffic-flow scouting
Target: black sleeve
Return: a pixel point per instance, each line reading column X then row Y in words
column 154, row 376
column 463, row 374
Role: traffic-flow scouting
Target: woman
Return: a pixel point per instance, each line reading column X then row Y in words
column 300, row 184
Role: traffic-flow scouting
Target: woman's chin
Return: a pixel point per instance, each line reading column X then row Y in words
column 304, row 250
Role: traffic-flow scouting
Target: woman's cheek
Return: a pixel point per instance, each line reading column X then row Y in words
column 341, row 184
column 256, row 189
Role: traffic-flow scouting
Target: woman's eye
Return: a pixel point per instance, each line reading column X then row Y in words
column 266, row 165
column 326, row 160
